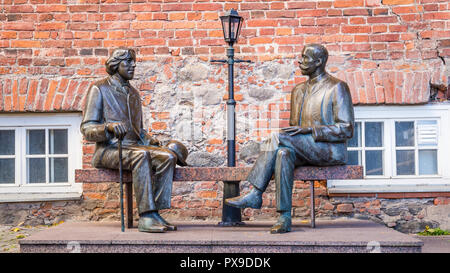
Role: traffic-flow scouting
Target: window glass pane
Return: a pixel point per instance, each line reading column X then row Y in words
column 36, row 170
column 404, row 133
column 7, row 142
column 239, row 30
column 405, row 162
column 356, row 139
column 427, row 162
column 233, row 28
column 225, row 27
column 58, row 170
column 7, row 170
column 374, row 134
column 57, row 141
column 354, row 158
column 374, row 163
column 35, row 142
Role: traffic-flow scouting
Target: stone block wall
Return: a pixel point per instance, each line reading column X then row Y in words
column 388, row 51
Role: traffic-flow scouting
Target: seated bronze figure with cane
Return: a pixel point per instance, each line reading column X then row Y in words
column 113, row 119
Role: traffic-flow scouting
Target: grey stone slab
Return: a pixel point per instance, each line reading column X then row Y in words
column 76, row 231
column 330, row 236
column 435, row 244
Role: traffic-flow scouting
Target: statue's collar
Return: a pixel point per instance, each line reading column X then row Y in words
column 317, row 78
column 116, row 80
column 119, row 83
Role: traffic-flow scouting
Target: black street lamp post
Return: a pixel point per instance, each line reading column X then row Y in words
column 231, row 24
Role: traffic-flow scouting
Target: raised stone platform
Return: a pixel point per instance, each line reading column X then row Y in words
column 206, row 237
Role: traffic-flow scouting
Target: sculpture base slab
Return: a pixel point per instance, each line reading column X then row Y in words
column 346, row 235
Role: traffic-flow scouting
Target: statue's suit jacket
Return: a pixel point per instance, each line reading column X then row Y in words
column 108, row 101
column 325, row 105
column 329, row 112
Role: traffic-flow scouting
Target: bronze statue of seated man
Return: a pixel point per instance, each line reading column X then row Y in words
column 321, row 122
column 113, row 111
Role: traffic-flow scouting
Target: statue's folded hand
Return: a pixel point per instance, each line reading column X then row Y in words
column 295, row 130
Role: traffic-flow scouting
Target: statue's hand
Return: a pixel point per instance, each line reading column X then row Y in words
column 295, row 130
column 149, row 140
column 117, row 129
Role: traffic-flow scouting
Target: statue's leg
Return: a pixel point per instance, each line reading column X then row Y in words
column 263, row 169
column 163, row 166
column 293, row 151
column 284, row 178
column 259, row 176
column 139, row 162
column 140, row 166
column 164, row 162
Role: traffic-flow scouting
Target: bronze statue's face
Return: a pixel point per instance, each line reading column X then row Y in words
column 308, row 62
column 126, row 68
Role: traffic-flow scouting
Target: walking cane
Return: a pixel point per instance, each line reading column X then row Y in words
column 121, row 184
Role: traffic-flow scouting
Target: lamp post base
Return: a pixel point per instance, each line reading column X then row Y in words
column 230, row 224
column 231, row 216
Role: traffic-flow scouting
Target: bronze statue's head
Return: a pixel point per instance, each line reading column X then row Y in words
column 123, row 62
column 314, row 57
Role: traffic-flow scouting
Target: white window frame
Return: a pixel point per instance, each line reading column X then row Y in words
column 20, row 191
column 402, row 183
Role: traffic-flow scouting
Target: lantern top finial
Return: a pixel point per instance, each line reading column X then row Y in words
column 232, row 12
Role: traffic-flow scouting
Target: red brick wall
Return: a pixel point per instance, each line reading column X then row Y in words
column 388, row 51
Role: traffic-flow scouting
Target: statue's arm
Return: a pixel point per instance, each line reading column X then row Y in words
column 343, row 116
column 93, row 126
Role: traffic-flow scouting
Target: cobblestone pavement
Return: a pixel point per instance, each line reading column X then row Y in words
column 10, row 236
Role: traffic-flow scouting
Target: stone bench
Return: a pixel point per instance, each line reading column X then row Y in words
column 228, row 174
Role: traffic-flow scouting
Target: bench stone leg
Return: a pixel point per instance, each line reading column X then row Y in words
column 312, row 213
column 129, row 210
column 231, row 216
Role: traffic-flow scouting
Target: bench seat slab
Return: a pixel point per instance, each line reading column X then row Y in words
column 305, row 173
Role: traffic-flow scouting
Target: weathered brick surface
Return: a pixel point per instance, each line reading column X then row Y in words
column 388, row 51
column 70, row 41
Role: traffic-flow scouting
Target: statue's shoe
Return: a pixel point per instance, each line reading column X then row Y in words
column 283, row 225
column 250, row 200
column 163, row 222
column 150, row 224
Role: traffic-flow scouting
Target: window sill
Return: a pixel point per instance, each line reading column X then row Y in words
column 38, row 197
column 400, row 191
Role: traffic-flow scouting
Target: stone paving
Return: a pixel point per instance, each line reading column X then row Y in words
column 435, row 244
column 10, row 236
column 330, row 236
